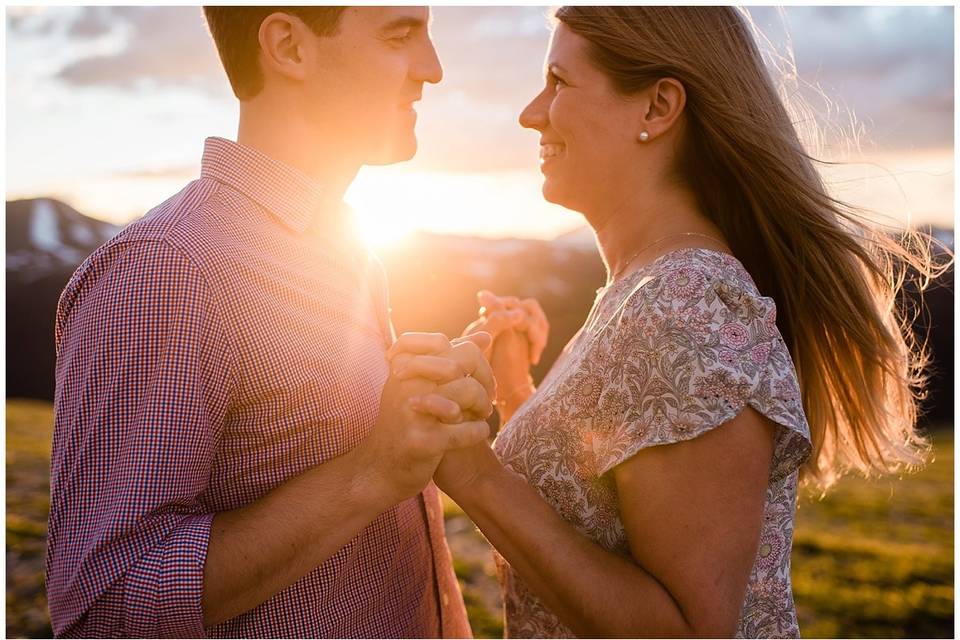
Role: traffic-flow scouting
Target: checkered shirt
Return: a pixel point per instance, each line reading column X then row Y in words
column 213, row 350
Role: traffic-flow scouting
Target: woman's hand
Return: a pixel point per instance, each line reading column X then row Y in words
column 499, row 314
column 461, row 469
column 519, row 329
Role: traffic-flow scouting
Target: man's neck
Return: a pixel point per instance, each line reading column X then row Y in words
column 293, row 142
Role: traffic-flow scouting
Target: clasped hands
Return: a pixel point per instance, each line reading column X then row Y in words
column 517, row 330
column 440, row 392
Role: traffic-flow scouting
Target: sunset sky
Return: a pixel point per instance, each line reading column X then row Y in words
column 107, row 109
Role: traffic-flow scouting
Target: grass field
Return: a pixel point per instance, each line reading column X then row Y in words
column 872, row 560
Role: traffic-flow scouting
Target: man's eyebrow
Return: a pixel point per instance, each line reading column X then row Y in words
column 403, row 21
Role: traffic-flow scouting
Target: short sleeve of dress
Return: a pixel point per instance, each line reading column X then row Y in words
column 685, row 353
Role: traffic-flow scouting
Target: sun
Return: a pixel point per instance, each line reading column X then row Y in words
column 382, row 205
column 391, row 203
column 381, row 230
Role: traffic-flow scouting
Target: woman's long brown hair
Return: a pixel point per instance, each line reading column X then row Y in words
column 836, row 278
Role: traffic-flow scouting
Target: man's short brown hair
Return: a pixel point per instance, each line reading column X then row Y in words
column 235, row 31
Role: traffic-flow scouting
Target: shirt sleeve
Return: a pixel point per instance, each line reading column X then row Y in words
column 143, row 385
column 687, row 352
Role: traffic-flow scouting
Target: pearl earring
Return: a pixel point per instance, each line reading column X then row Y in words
column 644, row 136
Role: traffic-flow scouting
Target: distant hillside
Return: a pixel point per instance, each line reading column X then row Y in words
column 434, row 280
column 46, row 236
column 433, row 283
column 46, row 241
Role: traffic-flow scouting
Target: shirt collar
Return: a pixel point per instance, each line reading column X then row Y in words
column 287, row 193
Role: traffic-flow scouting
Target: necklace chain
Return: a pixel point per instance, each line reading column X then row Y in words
column 634, row 255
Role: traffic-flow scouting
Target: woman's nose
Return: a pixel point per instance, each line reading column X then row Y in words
column 534, row 115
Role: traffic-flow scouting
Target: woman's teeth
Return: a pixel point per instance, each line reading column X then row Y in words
column 550, row 150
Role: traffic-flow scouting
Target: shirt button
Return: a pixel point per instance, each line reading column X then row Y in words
column 445, row 599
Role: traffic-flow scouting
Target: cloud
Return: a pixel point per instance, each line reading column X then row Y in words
column 887, row 64
column 181, row 172
column 35, row 21
column 92, row 23
column 492, row 59
column 165, row 47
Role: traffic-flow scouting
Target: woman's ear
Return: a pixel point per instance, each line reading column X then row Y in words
column 282, row 45
column 665, row 101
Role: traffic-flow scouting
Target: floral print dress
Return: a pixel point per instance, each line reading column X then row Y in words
column 669, row 352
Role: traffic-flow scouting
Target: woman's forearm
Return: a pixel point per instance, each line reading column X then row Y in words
column 594, row 592
column 512, row 400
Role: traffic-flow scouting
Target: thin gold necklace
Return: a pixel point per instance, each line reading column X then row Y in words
column 634, row 255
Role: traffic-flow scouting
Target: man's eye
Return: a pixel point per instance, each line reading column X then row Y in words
column 402, row 39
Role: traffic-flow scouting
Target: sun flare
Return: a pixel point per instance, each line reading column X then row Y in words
column 391, row 203
column 381, row 230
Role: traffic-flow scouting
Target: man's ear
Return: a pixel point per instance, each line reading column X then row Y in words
column 664, row 102
column 282, row 46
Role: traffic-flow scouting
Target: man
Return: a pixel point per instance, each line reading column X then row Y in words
column 232, row 456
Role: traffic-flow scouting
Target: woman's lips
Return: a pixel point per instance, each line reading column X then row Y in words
column 550, row 152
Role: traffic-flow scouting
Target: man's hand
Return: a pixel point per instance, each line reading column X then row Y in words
column 437, row 399
column 428, row 357
column 432, row 356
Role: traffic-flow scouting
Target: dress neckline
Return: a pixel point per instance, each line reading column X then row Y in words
column 647, row 267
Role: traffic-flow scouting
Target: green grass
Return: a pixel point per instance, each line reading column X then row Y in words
column 873, row 559
column 29, row 428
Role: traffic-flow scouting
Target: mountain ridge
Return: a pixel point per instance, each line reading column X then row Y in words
column 433, row 283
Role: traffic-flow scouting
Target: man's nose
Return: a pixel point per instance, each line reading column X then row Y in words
column 534, row 115
column 428, row 68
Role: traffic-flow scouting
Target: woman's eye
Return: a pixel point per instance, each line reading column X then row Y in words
column 558, row 83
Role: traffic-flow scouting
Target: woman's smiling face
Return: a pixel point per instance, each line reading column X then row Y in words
column 588, row 132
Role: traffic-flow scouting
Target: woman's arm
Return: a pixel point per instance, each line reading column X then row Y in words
column 693, row 514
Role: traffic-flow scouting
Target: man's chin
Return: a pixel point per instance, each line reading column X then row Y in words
column 400, row 151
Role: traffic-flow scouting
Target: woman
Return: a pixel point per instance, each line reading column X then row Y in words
column 743, row 342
